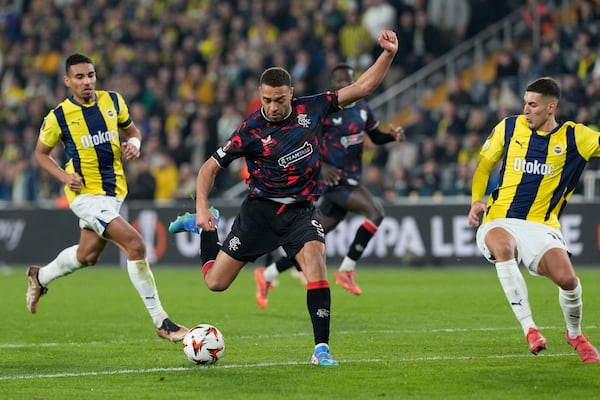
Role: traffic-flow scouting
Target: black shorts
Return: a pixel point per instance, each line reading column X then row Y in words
column 263, row 225
column 333, row 201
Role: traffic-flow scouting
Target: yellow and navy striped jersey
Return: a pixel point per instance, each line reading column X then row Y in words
column 539, row 170
column 90, row 136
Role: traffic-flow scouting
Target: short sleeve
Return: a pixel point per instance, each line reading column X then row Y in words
column 50, row 133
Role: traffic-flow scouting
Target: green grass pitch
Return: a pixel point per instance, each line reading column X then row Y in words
column 427, row 333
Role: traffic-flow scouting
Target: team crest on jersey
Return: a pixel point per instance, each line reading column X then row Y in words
column 267, row 140
column 111, row 113
column 558, row 149
column 337, row 121
column 303, row 120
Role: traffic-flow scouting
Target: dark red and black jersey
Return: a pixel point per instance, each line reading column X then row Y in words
column 343, row 137
column 283, row 158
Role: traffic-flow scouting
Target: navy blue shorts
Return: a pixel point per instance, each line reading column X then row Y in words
column 334, row 201
column 263, row 225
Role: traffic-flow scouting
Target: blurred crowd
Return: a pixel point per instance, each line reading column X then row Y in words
column 189, row 72
column 443, row 144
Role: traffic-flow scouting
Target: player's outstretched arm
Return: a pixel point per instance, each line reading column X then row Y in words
column 373, row 76
column 397, row 132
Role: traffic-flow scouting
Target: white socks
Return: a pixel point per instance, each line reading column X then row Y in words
column 571, row 304
column 139, row 273
column 515, row 289
column 270, row 273
column 64, row 263
column 143, row 281
column 347, row 265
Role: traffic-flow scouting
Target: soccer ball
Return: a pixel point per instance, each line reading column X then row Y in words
column 203, row 344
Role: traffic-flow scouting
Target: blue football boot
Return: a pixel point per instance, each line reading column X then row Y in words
column 187, row 222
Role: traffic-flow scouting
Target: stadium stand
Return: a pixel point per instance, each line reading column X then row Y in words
column 189, row 69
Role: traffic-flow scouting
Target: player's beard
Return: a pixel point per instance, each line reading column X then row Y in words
column 277, row 116
column 87, row 94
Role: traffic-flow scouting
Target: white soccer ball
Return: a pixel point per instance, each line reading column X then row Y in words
column 203, row 344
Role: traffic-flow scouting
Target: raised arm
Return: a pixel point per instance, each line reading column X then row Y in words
column 372, row 77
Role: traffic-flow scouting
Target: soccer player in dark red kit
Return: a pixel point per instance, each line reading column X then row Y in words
column 281, row 145
column 342, row 149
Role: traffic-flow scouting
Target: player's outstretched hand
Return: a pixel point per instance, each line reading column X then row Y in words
column 397, row 133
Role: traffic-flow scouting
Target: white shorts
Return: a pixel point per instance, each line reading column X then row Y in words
column 96, row 211
column 533, row 240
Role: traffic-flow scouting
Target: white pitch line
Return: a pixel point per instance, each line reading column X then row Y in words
column 298, row 334
column 262, row 365
column 258, row 365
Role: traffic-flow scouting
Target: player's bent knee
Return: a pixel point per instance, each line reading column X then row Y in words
column 567, row 282
column 89, row 261
column 501, row 249
column 214, row 281
column 136, row 250
column 215, row 285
